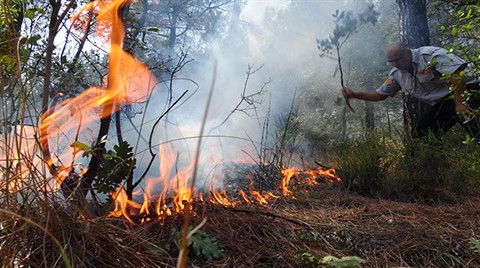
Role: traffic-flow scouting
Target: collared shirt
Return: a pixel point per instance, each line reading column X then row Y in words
column 426, row 84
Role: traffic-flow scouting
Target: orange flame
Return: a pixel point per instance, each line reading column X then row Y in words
column 287, row 176
column 133, row 84
column 129, row 81
column 308, row 177
column 175, row 185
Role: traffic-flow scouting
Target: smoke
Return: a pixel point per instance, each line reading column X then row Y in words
column 255, row 72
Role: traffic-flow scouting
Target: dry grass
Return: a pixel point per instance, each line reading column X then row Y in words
column 385, row 233
column 326, row 221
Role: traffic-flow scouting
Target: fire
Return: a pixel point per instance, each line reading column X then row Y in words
column 175, row 186
column 129, row 81
column 308, row 177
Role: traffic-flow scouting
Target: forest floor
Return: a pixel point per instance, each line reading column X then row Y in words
column 327, row 221
column 320, row 221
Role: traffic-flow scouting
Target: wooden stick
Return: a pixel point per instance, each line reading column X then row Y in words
column 341, row 76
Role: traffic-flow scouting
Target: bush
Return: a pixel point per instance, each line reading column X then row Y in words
column 364, row 163
column 409, row 169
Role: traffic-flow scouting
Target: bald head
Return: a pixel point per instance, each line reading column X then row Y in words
column 399, row 55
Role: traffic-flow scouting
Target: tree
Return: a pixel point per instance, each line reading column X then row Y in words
column 414, row 33
column 346, row 24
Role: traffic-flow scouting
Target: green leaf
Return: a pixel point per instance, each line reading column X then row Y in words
column 79, row 146
column 469, row 14
column 309, row 258
column 108, row 156
column 344, row 262
column 454, row 31
column 33, row 39
column 30, row 13
column 206, row 246
column 475, row 245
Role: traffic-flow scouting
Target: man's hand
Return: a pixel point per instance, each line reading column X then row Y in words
column 463, row 110
column 347, row 93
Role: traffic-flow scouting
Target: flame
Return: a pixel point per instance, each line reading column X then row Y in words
column 129, row 81
column 123, row 205
column 307, row 177
column 174, row 183
column 287, row 176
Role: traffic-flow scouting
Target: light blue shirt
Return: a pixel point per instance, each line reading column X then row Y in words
column 426, row 84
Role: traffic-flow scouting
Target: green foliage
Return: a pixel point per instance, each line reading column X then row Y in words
column 308, row 258
column 201, row 245
column 116, row 166
column 346, row 23
column 464, row 33
column 409, row 168
column 80, row 146
column 204, row 245
column 475, row 245
column 344, row 262
column 421, row 169
column 363, row 163
column 331, row 261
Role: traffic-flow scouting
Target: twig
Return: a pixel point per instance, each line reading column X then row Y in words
column 274, row 215
column 151, row 137
column 182, row 255
column 341, row 75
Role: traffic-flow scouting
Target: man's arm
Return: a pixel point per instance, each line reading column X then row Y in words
column 362, row 95
column 459, row 86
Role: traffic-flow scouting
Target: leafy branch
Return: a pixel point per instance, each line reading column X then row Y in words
column 346, row 23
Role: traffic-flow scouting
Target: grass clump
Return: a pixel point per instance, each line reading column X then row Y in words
column 364, row 162
column 409, row 169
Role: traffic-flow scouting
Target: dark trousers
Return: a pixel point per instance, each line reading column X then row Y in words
column 441, row 117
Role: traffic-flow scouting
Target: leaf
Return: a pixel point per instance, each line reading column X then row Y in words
column 475, row 245
column 309, row 258
column 454, row 31
column 104, row 139
column 79, row 146
column 206, row 246
column 329, row 259
column 30, row 13
column 344, row 262
column 33, row 39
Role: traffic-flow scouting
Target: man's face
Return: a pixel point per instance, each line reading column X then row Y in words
column 399, row 58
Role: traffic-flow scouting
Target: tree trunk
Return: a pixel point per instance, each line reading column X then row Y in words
column 172, row 40
column 56, row 19
column 369, row 115
column 113, row 70
column 414, row 33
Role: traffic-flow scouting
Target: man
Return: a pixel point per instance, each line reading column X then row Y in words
column 434, row 76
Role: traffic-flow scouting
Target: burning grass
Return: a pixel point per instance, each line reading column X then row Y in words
column 323, row 221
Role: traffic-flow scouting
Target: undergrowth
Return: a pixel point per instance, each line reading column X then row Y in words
column 409, row 169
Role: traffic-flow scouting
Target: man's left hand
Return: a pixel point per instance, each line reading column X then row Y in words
column 463, row 110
